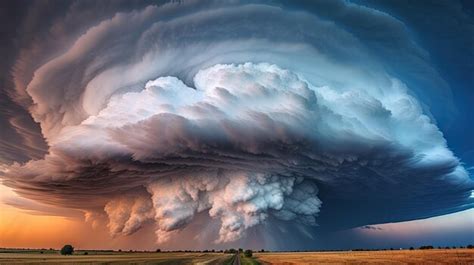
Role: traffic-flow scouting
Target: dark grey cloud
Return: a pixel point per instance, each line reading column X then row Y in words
column 371, row 227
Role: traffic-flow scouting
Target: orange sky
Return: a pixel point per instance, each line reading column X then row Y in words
column 19, row 229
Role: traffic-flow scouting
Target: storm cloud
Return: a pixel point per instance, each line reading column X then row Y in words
column 248, row 113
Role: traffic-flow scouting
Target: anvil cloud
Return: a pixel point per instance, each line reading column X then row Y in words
column 249, row 114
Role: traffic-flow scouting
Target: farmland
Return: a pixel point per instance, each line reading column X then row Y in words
column 434, row 256
column 115, row 258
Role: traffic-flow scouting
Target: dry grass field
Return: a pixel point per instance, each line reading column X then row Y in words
column 435, row 256
column 452, row 256
column 124, row 258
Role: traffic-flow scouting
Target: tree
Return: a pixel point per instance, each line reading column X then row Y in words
column 232, row 250
column 67, row 250
column 426, row 247
column 158, row 250
column 411, row 248
column 248, row 253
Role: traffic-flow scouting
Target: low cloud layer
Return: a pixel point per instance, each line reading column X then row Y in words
column 163, row 114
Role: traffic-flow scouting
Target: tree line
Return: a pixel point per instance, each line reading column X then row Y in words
column 69, row 250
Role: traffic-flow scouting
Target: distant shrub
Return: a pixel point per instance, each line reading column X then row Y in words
column 86, row 253
column 262, row 250
column 470, row 246
column 67, row 250
column 426, row 247
column 232, row 250
column 158, row 250
column 411, row 248
column 248, row 253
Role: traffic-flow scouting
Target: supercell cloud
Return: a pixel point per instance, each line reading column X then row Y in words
column 250, row 115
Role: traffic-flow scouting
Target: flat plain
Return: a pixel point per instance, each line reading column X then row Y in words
column 123, row 258
column 434, row 256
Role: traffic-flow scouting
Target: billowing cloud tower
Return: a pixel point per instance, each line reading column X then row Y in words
column 252, row 116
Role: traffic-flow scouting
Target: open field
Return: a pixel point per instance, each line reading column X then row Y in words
column 452, row 256
column 116, row 258
column 248, row 261
column 435, row 256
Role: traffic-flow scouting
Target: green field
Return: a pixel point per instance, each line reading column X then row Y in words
column 248, row 261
